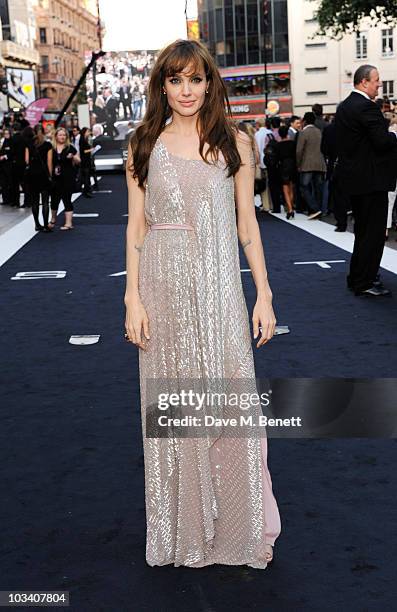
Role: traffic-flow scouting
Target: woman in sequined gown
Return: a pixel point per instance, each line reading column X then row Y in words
column 209, row 499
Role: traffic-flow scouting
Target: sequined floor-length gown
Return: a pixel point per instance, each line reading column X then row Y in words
column 206, row 502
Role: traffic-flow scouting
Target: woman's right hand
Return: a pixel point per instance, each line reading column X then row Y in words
column 136, row 322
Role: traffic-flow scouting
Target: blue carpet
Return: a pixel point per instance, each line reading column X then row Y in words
column 333, row 332
column 72, row 510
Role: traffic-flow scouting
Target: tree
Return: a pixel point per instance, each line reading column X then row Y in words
column 338, row 17
column 81, row 97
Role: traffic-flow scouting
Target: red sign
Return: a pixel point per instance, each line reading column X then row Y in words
column 35, row 110
column 48, row 122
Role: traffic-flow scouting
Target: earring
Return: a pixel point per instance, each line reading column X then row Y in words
column 206, row 91
column 164, row 92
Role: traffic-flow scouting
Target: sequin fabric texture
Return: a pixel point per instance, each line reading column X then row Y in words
column 208, row 500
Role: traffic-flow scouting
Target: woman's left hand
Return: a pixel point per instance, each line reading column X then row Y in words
column 263, row 319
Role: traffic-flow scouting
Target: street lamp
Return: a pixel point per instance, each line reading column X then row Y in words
column 265, row 29
column 94, row 57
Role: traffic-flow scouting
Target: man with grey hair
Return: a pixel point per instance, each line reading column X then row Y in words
column 366, row 170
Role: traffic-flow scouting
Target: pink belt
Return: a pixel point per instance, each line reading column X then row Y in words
column 171, row 226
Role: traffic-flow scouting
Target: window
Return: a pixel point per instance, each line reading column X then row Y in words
column 361, row 45
column 315, row 45
column 388, row 89
column 316, row 93
column 44, row 62
column 278, row 85
column 316, row 69
column 43, row 36
column 388, row 42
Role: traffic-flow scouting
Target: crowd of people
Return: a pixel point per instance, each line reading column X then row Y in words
column 47, row 165
column 296, row 159
column 121, row 89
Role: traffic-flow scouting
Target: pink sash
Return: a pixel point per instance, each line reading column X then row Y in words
column 171, row 226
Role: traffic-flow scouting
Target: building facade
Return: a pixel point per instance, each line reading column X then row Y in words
column 322, row 69
column 235, row 32
column 18, row 56
column 66, row 30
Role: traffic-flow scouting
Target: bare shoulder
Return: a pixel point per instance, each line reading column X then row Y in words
column 132, row 181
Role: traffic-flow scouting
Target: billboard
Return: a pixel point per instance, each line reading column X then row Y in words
column 20, row 87
column 35, row 110
column 117, row 92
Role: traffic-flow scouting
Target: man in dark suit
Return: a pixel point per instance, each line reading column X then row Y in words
column 124, row 92
column 366, row 170
column 338, row 201
column 320, row 122
column 294, row 127
column 18, row 165
column 111, row 107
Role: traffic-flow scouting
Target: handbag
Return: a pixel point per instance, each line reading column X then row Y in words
column 270, row 156
column 260, row 184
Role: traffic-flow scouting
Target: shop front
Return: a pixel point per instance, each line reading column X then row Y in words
column 246, row 86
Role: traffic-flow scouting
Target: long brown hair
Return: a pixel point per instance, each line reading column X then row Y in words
column 39, row 135
column 215, row 125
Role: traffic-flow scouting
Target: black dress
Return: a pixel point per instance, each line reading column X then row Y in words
column 286, row 154
column 5, row 170
column 18, row 146
column 37, row 177
column 64, row 172
column 86, row 165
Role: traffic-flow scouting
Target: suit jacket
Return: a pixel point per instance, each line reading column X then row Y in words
column 18, row 146
column 367, row 151
column 328, row 147
column 320, row 123
column 308, row 151
column 125, row 94
column 111, row 106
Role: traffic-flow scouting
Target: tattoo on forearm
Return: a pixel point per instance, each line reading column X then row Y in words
column 138, row 248
column 246, row 243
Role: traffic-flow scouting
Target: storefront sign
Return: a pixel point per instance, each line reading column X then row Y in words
column 273, row 107
column 253, row 108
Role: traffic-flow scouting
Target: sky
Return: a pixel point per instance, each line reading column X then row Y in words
column 144, row 24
